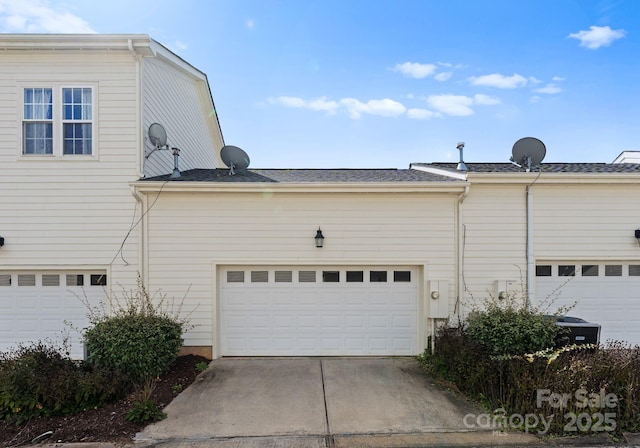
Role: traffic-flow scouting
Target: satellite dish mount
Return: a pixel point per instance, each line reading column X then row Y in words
column 235, row 158
column 158, row 138
column 528, row 152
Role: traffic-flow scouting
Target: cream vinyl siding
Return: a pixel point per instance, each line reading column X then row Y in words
column 182, row 105
column 192, row 233
column 71, row 210
column 493, row 239
column 587, row 221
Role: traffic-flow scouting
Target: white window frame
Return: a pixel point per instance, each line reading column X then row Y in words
column 58, row 121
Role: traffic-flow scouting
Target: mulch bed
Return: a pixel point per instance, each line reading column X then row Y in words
column 107, row 424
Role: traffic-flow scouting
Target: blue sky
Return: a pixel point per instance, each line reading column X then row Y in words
column 377, row 83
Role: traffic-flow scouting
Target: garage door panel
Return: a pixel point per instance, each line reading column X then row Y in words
column 317, row 318
column 39, row 305
column 611, row 301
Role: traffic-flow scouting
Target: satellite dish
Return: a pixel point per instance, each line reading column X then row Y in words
column 528, row 152
column 157, row 135
column 235, row 158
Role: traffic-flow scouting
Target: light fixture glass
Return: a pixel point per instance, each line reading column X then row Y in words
column 319, row 238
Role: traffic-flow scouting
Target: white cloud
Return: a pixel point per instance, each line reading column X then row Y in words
column 415, row 69
column 181, row 45
column 36, row 16
column 598, row 36
column 485, row 100
column 533, row 80
column 319, row 104
column 456, row 105
column 384, row 107
column 250, row 23
column 557, row 79
column 443, row 76
column 549, row 89
column 534, row 99
column 421, row 114
column 499, row 81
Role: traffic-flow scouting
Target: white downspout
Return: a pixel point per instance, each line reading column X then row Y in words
column 140, row 158
column 460, row 251
column 530, row 258
column 142, row 242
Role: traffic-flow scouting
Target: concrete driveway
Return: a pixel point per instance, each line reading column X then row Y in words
column 315, row 402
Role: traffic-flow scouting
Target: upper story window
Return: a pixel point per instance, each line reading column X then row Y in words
column 58, row 121
column 76, row 120
column 38, row 121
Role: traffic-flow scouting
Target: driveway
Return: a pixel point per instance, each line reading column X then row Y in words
column 314, row 402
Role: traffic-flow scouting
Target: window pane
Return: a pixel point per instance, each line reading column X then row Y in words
column 98, row 279
column 235, row 276
column 590, row 270
column 38, row 104
column 613, row 270
column 76, row 103
column 38, row 138
column 401, row 276
column 566, row 270
column 306, row 276
column 283, row 276
column 331, row 276
column 355, row 276
column 77, row 138
column 634, row 270
column 50, row 280
column 5, row 279
column 543, row 270
column 259, row 276
column 377, row 276
column 26, row 280
column 75, row 280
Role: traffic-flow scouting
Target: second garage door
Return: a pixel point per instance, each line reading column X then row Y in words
column 607, row 293
column 324, row 310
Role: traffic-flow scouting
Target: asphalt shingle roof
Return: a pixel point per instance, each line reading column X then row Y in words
column 584, row 168
column 308, row 176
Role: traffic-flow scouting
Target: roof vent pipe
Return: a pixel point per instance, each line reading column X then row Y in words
column 176, row 171
column 461, row 165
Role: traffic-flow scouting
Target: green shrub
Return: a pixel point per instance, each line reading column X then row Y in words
column 39, row 380
column 144, row 409
column 512, row 330
column 512, row 382
column 140, row 337
column 145, row 412
column 140, row 346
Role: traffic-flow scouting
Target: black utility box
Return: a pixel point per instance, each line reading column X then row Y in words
column 580, row 331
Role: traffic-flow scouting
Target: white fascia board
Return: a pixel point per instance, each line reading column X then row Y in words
column 160, row 50
column 553, row 178
column 439, row 171
column 76, row 42
column 390, row 187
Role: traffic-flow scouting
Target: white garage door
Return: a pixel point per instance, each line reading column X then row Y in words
column 606, row 293
column 35, row 305
column 297, row 311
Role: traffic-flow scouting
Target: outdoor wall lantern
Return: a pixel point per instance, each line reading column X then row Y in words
column 319, row 238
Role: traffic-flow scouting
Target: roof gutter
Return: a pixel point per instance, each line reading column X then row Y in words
column 262, row 187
